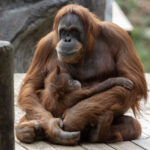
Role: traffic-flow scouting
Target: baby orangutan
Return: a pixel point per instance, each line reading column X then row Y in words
column 62, row 92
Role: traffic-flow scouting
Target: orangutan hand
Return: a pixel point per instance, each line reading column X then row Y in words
column 56, row 135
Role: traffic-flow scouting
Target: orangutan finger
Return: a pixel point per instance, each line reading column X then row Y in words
column 68, row 138
column 61, row 124
column 69, row 135
column 25, row 129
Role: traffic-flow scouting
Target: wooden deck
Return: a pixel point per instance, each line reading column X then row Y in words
column 140, row 144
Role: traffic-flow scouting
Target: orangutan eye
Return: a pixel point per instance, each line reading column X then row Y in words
column 75, row 33
column 62, row 32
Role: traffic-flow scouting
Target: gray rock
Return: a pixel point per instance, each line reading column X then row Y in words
column 25, row 22
column 25, row 25
column 96, row 6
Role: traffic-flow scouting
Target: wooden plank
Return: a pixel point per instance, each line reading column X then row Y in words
column 145, row 126
column 145, row 143
column 18, row 114
column 147, row 117
column 125, row 146
column 18, row 147
column 18, row 78
column 61, row 147
column 37, row 146
column 144, row 135
column 6, row 96
column 96, row 146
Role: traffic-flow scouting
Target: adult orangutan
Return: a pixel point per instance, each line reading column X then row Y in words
column 91, row 51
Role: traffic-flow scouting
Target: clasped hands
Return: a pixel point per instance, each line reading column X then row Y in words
column 61, row 131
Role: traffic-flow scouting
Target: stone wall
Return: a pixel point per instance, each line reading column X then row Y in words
column 25, row 22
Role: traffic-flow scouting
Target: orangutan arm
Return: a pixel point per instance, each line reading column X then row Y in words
column 29, row 101
column 74, row 97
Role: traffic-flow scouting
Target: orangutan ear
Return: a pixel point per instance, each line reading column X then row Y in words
column 57, row 69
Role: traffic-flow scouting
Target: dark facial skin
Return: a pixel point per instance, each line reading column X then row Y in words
column 71, row 38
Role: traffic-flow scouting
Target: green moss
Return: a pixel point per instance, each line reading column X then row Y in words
column 148, row 22
column 141, row 48
column 137, row 34
column 128, row 6
column 141, row 44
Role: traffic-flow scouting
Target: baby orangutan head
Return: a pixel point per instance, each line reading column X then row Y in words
column 63, row 81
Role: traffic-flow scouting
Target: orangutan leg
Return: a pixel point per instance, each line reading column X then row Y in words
column 123, row 128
